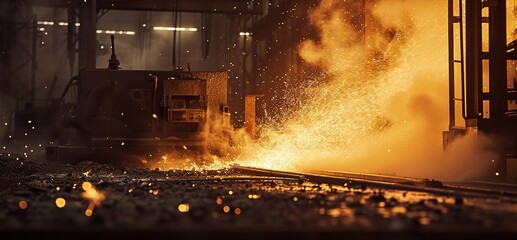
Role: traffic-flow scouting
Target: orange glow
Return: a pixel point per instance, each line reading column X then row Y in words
column 226, row 209
column 87, row 186
column 92, row 194
column 184, row 207
column 382, row 101
column 219, row 200
column 253, row 196
column 237, row 211
column 60, row 202
column 89, row 210
column 22, row 204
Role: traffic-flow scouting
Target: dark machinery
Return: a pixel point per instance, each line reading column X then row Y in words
column 482, row 79
column 139, row 113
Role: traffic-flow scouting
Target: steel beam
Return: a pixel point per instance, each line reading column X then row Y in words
column 210, row 6
column 87, row 34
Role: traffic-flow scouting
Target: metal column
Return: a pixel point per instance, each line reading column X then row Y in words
column 87, row 33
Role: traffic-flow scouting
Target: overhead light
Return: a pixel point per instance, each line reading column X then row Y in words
column 50, row 23
column 66, row 24
column 116, row 32
column 180, row 29
column 46, row 23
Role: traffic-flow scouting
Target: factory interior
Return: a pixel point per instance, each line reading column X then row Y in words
column 255, row 119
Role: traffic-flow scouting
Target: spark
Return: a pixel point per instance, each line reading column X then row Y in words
column 60, row 202
column 22, row 204
column 89, row 210
column 184, row 207
column 92, row 194
column 237, row 211
column 226, row 209
column 87, row 173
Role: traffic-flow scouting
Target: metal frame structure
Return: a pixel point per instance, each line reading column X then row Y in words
column 19, row 41
column 478, row 55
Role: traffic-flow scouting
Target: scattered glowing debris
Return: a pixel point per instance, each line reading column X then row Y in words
column 219, row 200
column 237, row 211
column 86, row 186
column 184, row 207
column 424, row 221
column 321, row 211
column 122, row 143
column 89, row 210
column 75, row 185
column 60, row 202
column 87, row 173
column 497, row 174
column 58, row 188
column 253, row 196
column 185, row 147
column 226, row 209
column 22, row 205
column 155, row 116
column 295, row 199
column 92, row 194
column 230, row 192
column 130, row 190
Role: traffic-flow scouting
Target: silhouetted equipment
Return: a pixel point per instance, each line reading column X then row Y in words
column 481, row 79
column 113, row 62
column 144, row 112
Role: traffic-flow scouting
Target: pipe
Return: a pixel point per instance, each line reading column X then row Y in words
column 155, row 93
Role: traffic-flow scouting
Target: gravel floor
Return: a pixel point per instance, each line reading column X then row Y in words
column 86, row 200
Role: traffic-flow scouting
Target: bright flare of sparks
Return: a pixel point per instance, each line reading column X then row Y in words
column 385, row 88
column 381, row 102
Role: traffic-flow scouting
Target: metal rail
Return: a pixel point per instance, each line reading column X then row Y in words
column 358, row 180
